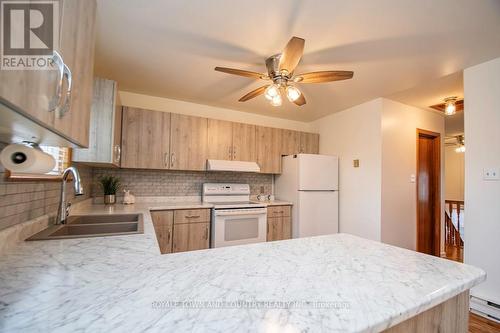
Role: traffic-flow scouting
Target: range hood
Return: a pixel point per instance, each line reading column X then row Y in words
column 240, row 166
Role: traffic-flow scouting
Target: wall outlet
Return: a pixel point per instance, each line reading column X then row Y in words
column 491, row 174
column 413, row 179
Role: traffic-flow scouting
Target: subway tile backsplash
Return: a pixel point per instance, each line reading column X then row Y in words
column 21, row 201
column 177, row 183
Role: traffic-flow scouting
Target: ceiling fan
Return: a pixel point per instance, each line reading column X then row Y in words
column 280, row 70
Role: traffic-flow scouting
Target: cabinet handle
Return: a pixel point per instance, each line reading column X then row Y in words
column 168, row 236
column 206, row 233
column 59, row 63
column 166, row 160
column 172, row 160
column 230, row 152
column 234, row 153
column 192, row 216
column 118, row 154
column 67, row 97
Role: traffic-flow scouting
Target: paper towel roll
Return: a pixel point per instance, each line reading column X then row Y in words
column 24, row 159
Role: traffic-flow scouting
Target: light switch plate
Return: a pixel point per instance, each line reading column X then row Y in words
column 491, row 174
column 413, row 178
column 355, row 163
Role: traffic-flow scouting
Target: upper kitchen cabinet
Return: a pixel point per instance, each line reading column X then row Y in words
column 59, row 99
column 145, row 139
column 309, row 143
column 220, row 140
column 188, row 142
column 105, row 127
column 290, row 143
column 231, row 141
column 244, row 142
column 268, row 147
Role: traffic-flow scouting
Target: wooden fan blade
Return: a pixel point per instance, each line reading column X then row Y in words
column 324, row 76
column 301, row 100
column 254, row 93
column 240, row 72
column 291, row 55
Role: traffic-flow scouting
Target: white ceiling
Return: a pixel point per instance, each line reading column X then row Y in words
column 169, row 48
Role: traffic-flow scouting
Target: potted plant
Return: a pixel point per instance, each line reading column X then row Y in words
column 110, row 186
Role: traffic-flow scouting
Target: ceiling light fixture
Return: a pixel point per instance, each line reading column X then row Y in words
column 450, row 108
column 461, row 144
column 276, row 100
column 272, row 91
column 292, row 93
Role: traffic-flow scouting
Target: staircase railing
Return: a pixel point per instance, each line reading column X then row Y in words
column 452, row 234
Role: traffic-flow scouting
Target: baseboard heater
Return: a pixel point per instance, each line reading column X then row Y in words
column 485, row 308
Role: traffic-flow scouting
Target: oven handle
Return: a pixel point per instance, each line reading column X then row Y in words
column 240, row 213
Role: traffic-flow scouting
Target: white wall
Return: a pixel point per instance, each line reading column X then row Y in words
column 355, row 134
column 482, row 198
column 454, row 174
column 377, row 200
column 399, row 161
column 200, row 110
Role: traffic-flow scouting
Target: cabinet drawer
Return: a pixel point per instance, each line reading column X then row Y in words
column 191, row 216
column 278, row 211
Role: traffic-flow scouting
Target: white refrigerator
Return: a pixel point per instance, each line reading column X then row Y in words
column 310, row 183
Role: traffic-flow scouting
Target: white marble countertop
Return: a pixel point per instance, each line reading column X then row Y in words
column 122, row 283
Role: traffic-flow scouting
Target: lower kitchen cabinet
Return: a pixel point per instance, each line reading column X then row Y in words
column 191, row 236
column 279, row 223
column 163, row 222
column 182, row 230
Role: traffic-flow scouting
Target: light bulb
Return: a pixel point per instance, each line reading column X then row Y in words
column 460, row 149
column 272, row 91
column 293, row 93
column 276, row 101
column 450, row 108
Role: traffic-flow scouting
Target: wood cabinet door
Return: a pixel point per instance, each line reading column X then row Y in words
column 220, row 139
column 268, row 146
column 145, row 139
column 279, row 223
column 188, row 142
column 163, row 222
column 309, row 143
column 191, row 236
column 290, row 143
column 77, row 42
column 244, row 142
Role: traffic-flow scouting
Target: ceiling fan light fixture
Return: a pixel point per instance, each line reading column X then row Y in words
column 292, row 93
column 272, row 91
column 450, row 108
column 460, row 149
column 276, row 100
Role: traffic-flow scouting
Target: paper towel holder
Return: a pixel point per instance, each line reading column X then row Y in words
column 31, row 144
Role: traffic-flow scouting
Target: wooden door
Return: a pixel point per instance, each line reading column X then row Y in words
column 309, row 143
column 268, row 146
column 220, row 139
column 188, row 142
column 145, row 139
column 77, row 42
column 191, row 236
column 163, row 222
column 290, row 143
column 428, row 192
column 244, row 142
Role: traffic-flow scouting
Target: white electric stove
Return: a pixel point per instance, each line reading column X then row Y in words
column 235, row 219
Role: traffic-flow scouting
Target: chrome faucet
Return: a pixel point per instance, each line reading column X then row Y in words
column 63, row 211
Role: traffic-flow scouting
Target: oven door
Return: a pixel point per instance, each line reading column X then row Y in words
column 239, row 226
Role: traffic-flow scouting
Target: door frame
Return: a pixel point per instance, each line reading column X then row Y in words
column 436, row 137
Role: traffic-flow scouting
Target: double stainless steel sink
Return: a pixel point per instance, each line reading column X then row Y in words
column 83, row 226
